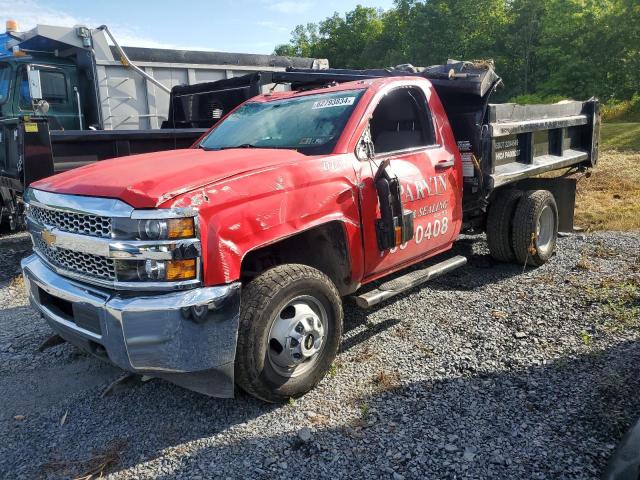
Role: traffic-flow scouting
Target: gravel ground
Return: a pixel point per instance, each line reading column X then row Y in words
column 490, row 372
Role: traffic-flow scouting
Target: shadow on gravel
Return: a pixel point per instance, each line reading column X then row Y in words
column 480, row 270
column 12, row 250
column 554, row 421
column 558, row 420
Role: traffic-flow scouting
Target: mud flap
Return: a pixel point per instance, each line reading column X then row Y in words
column 564, row 192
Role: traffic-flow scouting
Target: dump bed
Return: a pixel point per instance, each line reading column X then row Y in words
column 526, row 140
column 518, row 142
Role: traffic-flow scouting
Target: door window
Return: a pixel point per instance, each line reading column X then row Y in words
column 402, row 121
column 54, row 88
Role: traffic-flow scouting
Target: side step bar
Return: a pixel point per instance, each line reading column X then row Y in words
column 408, row 281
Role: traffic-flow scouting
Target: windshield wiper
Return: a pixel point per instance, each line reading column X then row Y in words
column 242, row 145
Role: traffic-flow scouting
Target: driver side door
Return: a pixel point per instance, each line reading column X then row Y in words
column 404, row 134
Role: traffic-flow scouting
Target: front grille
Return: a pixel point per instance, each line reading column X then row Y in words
column 92, row 225
column 92, row 265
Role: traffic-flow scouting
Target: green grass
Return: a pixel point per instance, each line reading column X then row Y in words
column 620, row 136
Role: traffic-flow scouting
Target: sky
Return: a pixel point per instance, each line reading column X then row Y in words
column 247, row 26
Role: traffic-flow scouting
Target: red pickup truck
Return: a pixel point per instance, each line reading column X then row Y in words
column 226, row 263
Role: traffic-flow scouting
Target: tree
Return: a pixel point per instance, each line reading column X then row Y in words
column 304, row 40
column 576, row 48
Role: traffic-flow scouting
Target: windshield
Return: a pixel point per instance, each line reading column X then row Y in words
column 5, row 71
column 309, row 124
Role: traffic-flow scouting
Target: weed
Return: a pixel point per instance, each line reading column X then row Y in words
column 425, row 349
column 387, row 380
column 319, row 419
column 402, row 332
column 499, row 314
column 292, row 402
column 586, row 337
column 364, row 410
column 600, row 250
column 620, row 300
column 584, row 263
column 333, row 370
column 366, row 353
column 17, row 283
column 546, row 279
column 97, row 466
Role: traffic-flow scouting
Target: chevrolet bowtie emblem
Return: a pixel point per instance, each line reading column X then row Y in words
column 48, row 237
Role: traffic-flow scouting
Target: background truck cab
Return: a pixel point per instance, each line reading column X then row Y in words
column 55, row 81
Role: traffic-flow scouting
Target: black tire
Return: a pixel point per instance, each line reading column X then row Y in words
column 499, row 225
column 528, row 246
column 263, row 299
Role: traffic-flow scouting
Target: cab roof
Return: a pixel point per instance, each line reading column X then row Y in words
column 340, row 87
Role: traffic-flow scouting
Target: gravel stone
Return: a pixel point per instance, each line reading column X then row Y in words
column 469, row 454
column 304, row 434
column 550, row 404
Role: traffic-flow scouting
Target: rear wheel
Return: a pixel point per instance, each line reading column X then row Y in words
column 499, row 225
column 290, row 330
column 535, row 228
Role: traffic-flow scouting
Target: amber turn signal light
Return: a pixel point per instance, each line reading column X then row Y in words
column 181, row 228
column 398, row 235
column 181, row 270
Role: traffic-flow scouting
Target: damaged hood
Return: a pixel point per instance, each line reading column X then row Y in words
column 149, row 180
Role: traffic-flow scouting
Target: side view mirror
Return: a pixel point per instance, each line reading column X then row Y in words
column 35, row 85
column 365, row 149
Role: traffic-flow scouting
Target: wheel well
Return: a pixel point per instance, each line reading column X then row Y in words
column 324, row 247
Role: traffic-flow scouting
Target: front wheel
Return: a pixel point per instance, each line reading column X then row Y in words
column 290, row 331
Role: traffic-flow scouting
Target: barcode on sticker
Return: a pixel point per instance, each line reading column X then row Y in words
column 333, row 102
column 467, row 165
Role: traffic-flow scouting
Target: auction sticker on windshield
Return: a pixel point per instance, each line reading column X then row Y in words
column 333, row 102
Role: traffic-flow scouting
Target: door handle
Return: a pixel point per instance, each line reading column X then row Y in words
column 445, row 164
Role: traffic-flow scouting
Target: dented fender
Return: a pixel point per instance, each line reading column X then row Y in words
column 252, row 210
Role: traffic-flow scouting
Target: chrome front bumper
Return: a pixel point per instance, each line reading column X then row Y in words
column 187, row 337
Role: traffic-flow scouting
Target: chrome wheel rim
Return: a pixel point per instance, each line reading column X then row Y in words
column 545, row 228
column 297, row 336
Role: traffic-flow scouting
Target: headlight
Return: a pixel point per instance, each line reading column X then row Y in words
column 153, row 229
column 156, row 270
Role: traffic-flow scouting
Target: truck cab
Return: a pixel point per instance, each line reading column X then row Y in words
column 54, row 81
